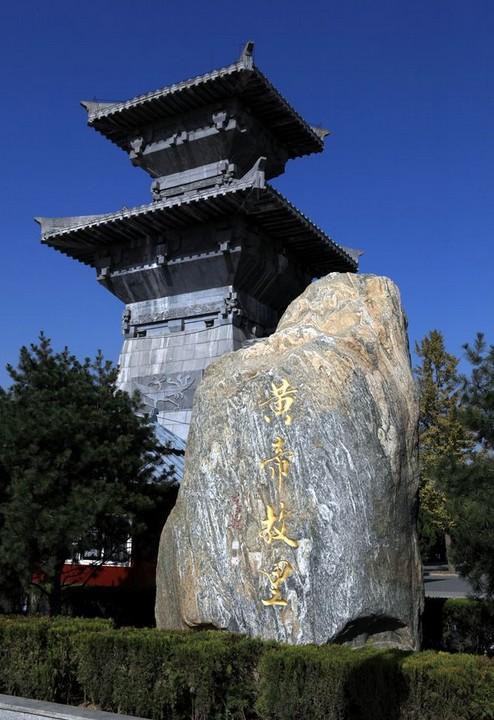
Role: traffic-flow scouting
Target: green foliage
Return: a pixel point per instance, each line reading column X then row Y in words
column 23, row 658
column 215, row 675
column 468, row 625
column 457, row 456
column 478, row 395
column 440, row 686
column 470, row 482
column 75, row 463
column 441, row 434
column 329, row 682
column 332, row 683
column 170, row 675
column 459, row 625
column 471, row 491
column 38, row 656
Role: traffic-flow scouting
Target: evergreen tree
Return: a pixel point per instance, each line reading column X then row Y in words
column 470, row 482
column 478, row 392
column 441, row 434
column 75, row 463
column 11, row 593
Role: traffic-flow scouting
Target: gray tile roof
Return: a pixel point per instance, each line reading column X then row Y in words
column 79, row 237
column 118, row 120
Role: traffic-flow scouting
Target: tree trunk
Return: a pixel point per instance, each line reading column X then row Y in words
column 55, row 594
column 447, row 543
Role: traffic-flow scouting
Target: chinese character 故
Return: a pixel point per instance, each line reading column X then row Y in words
column 274, row 528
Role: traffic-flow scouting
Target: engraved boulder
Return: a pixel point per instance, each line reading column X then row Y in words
column 295, row 520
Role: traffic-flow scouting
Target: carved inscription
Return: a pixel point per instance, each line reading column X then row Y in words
column 280, row 401
column 274, row 526
column 279, row 463
column 278, row 575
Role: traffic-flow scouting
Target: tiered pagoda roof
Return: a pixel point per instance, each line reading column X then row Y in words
column 242, row 79
column 205, row 175
column 79, row 237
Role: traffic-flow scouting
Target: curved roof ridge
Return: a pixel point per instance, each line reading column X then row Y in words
column 111, row 108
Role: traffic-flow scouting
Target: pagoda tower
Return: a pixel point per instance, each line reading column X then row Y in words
column 214, row 259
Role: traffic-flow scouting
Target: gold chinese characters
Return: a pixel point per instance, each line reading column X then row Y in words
column 279, row 463
column 273, row 527
column 280, row 402
column 281, row 571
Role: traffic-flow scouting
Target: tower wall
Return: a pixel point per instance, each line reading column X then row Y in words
column 171, row 340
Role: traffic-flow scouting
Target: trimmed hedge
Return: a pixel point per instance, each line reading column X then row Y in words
column 330, row 682
column 440, row 686
column 39, row 657
column 212, row 675
column 151, row 673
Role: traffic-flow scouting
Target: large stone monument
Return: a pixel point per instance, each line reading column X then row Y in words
column 213, row 261
column 295, row 520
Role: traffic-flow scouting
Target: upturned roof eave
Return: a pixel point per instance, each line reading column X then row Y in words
column 56, row 226
column 110, row 119
column 64, row 238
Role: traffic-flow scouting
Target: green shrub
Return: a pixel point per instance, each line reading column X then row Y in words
column 458, row 625
column 218, row 675
column 329, row 682
column 467, row 625
column 440, row 686
column 178, row 675
column 63, row 654
column 119, row 670
column 23, row 666
column 38, row 656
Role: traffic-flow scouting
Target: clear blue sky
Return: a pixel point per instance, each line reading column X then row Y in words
column 407, row 89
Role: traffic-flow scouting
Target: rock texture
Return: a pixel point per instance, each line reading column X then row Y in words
column 296, row 517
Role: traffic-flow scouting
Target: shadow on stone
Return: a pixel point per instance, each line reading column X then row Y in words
column 359, row 631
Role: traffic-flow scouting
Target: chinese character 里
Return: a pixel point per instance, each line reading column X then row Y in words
column 280, row 572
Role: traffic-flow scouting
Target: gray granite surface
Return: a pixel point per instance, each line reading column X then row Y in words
column 296, row 517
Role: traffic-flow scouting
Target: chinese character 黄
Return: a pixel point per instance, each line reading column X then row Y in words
column 280, row 402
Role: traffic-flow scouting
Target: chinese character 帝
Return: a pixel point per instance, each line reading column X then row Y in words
column 274, row 529
column 280, row 402
column 279, row 464
column 280, row 572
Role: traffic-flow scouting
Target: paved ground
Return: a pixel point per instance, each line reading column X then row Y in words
column 18, row 708
column 445, row 584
